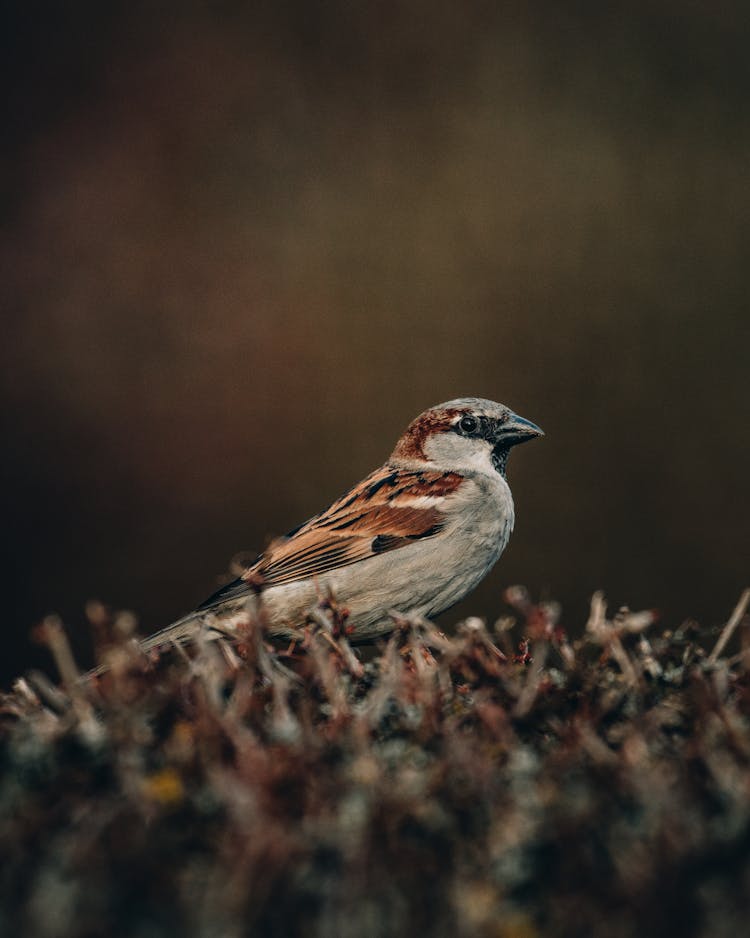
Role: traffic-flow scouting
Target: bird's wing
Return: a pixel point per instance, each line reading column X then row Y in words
column 388, row 510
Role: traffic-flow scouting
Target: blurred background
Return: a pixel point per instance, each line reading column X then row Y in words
column 243, row 244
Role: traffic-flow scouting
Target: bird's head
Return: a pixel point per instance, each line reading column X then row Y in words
column 467, row 434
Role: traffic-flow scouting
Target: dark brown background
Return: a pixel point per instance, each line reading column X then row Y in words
column 244, row 244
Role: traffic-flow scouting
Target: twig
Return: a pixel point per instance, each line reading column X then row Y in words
column 57, row 642
column 533, row 679
column 728, row 630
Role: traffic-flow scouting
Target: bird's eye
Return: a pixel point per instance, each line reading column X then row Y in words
column 468, row 424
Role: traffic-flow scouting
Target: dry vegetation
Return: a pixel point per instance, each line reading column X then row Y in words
column 505, row 782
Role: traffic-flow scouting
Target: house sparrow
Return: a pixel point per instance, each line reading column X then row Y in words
column 413, row 537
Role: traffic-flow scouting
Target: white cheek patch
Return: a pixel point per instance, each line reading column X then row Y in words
column 450, row 450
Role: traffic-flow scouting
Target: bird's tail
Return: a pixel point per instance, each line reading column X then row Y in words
column 178, row 632
column 207, row 621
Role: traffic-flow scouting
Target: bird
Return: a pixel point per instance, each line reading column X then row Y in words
column 412, row 538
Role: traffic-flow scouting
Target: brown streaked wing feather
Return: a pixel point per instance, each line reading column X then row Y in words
column 371, row 519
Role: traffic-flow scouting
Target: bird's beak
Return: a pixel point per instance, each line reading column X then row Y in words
column 515, row 429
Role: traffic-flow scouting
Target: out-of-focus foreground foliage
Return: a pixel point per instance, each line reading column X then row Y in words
column 496, row 783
